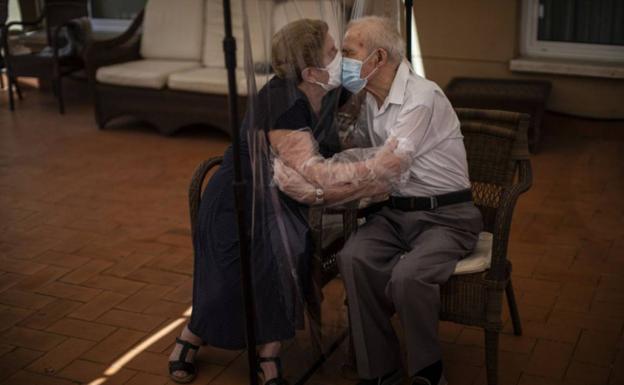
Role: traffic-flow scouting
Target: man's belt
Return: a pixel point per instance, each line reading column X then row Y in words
column 429, row 203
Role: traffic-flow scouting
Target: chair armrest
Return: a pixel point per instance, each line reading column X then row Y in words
column 350, row 216
column 195, row 188
column 35, row 22
column 7, row 27
column 502, row 222
column 119, row 49
column 56, row 35
column 125, row 37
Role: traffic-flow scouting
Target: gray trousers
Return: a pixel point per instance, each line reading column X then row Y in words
column 396, row 262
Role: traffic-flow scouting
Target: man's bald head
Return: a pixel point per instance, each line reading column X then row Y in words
column 372, row 32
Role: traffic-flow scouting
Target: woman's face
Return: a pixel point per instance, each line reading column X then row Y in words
column 329, row 53
column 329, row 50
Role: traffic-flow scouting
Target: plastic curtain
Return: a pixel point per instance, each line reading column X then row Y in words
column 305, row 147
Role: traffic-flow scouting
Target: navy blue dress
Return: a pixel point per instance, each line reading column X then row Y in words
column 281, row 246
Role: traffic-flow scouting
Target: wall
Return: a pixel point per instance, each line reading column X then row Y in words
column 480, row 37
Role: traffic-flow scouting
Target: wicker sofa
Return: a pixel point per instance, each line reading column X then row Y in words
column 168, row 68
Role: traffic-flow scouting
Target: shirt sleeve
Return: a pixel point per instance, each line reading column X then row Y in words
column 295, row 118
column 413, row 131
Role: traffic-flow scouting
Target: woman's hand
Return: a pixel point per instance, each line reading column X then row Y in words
column 386, row 164
column 292, row 183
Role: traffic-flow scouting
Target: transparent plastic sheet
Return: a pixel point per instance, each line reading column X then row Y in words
column 289, row 164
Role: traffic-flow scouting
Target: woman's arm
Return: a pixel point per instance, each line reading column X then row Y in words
column 300, row 170
column 298, row 150
column 297, row 187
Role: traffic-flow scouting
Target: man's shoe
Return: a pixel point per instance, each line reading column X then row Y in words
column 392, row 378
column 431, row 375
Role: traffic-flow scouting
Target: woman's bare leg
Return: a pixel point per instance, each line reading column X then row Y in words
column 269, row 369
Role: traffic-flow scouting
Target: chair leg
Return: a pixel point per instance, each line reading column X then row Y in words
column 11, row 96
column 17, row 89
column 316, row 335
column 59, row 95
column 349, row 369
column 513, row 309
column 491, row 356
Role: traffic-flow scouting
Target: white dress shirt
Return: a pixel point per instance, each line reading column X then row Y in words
column 419, row 115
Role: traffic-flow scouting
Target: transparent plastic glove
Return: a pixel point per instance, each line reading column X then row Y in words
column 345, row 177
column 388, row 164
column 292, row 183
column 299, row 150
column 298, row 188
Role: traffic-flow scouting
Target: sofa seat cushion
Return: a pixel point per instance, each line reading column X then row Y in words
column 211, row 81
column 173, row 30
column 480, row 259
column 142, row 73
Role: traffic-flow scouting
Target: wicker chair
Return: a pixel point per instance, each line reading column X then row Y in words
column 53, row 67
column 500, row 171
column 323, row 267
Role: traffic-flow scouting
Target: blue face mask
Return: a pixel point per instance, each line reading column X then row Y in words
column 351, row 69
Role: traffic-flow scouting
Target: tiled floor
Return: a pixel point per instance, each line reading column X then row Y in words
column 96, row 264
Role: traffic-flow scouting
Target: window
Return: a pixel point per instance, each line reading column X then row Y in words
column 574, row 29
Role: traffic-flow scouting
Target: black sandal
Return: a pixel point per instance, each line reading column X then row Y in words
column 182, row 365
column 279, row 380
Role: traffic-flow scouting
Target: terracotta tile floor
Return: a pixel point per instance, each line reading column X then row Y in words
column 96, row 264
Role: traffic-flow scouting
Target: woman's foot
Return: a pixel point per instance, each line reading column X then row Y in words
column 182, row 358
column 269, row 364
column 271, row 370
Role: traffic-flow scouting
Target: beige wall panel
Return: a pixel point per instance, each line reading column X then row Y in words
column 468, row 29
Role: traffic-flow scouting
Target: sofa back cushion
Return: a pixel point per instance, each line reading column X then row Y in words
column 173, row 29
column 258, row 12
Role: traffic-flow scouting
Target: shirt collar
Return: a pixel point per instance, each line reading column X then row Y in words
column 397, row 90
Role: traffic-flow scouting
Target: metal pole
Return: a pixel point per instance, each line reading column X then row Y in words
column 229, row 48
column 408, row 28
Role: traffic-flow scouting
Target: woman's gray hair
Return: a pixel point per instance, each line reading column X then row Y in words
column 380, row 32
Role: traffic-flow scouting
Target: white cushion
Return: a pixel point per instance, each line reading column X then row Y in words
column 211, row 81
column 142, row 73
column 173, row 29
column 480, row 259
column 326, row 10
column 258, row 11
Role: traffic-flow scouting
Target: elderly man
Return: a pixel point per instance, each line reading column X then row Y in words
column 397, row 260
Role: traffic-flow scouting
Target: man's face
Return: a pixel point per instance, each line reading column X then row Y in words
column 353, row 47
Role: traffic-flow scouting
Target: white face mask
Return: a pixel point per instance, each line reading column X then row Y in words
column 335, row 71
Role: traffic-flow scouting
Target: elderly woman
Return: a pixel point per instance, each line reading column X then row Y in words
column 291, row 126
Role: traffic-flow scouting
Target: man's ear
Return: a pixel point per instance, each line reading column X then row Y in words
column 382, row 56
